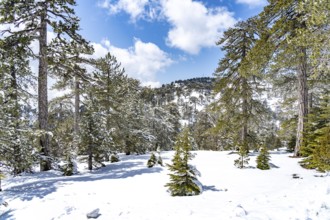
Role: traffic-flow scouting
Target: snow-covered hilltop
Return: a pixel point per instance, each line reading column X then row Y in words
column 130, row 190
column 191, row 96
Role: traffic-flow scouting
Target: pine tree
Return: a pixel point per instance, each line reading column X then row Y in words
column 114, row 158
column 239, row 105
column 108, row 79
column 33, row 19
column 16, row 148
column 91, row 131
column 183, row 180
column 71, row 73
column 152, row 160
column 243, row 159
column 293, row 47
column 317, row 152
column 263, row 159
column 205, row 137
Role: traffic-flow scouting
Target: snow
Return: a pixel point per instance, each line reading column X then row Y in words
column 130, row 190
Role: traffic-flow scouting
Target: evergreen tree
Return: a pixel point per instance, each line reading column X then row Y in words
column 15, row 133
column 152, row 160
column 183, row 180
column 91, row 131
column 293, row 48
column 239, row 105
column 134, row 120
column 33, row 19
column 70, row 71
column 317, row 151
column 108, row 80
column 243, row 159
column 263, row 159
column 60, row 119
column 162, row 121
column 203, row 131
column 114, row 158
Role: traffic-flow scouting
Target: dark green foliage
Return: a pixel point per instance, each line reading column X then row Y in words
column 205, row 136
column 16, row 134
column 243, row 159
column 183, row 180
column 239, row 105
column 263, row 159
column 152, row 160
column 69, row 168
column 291, row 144
column 114, row 158
column 91, row 137
column 293, row 50
column 317, row 148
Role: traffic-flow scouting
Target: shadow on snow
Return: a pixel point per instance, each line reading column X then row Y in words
column 45, row 186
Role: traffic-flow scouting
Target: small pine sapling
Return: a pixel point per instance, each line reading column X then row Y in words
column 263, row 159
column 114, row 158
column 152, row 160
column 183, row 180
column 243, row 159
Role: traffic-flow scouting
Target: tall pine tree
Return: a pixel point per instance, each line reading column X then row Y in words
column 293, row 46
column 239, row 104
column 30, row 20
column 15, row 133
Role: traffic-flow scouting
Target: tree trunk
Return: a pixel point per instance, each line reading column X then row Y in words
column 245, row 124
column 302, row 101
column 90, row 157
column 245, row 104
column 42, row 93
column 15, row 114
column 76, row 115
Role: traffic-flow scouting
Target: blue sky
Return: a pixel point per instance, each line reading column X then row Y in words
column 160, row 41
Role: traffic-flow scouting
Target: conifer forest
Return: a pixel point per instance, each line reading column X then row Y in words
column 269, row 96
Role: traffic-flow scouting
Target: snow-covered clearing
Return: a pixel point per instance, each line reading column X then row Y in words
column 130, row 190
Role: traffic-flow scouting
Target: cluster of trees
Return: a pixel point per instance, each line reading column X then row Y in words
column 102, row 111
column 285, row 50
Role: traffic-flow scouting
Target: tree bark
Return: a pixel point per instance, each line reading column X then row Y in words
column 42, row 92
column 76, row 115
column 15, row 113
column 245, row 103
column 302, row 100
column 245, row 118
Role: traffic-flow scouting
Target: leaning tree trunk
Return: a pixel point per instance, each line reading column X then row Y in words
column 42, row 93
column 302, row 101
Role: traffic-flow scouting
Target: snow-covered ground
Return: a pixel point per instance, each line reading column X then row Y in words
column 130, row 190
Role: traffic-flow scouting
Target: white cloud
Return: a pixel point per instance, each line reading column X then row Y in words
column 195, row 26
column 252, row 3
column 142, row 61
column 135, row 8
